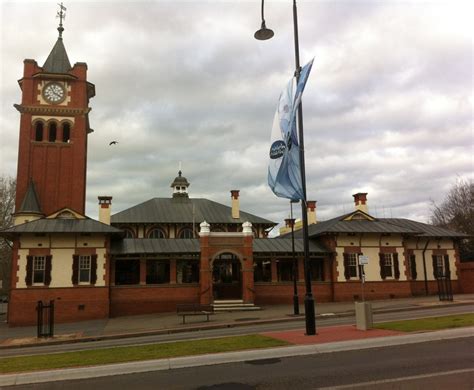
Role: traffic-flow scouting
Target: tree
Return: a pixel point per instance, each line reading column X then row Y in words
column 7, row 205
column 456, row 212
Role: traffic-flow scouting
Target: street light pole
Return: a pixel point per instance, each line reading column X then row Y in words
column 310, row 317
column 296, row 304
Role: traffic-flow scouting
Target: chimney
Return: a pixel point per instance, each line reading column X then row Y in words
column 105, row 205
column 311, row 210
column 235, row 204
column 360, row 200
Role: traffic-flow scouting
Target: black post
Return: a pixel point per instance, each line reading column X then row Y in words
column 296, row 304
column 308, row 299
column 39, row 319
column 51, row 318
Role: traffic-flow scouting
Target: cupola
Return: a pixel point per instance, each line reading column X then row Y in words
column 180, row 186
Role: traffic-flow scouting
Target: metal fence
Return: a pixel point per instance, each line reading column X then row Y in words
column 445, row 291
column 45, row 323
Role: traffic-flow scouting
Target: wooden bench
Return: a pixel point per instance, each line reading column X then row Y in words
column 194, row 309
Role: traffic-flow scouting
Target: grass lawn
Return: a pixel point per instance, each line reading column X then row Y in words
column 433, row 323
column 136, row 353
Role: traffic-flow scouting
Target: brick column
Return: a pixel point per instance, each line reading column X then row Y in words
column 142, row 270
column 172, row 271
column 248, row 293
column 205, row 277
column 274, row 270
column 300, row 268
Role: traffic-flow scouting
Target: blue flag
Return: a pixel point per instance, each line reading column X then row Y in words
column 284, row 174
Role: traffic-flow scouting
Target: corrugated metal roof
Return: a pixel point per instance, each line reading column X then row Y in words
column 379, row 225
column 184, row 210
column 426, row 229
column 273, row 245
column 155, row 245
column 129, row 246
column 44, row 225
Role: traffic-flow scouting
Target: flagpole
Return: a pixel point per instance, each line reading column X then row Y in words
column 309, row 306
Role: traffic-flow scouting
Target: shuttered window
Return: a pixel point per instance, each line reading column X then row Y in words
column 39, row 268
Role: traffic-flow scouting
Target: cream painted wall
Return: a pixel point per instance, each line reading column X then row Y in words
column 62, row 249
column 370, row 246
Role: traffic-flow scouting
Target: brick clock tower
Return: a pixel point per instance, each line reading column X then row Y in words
column 54, row 126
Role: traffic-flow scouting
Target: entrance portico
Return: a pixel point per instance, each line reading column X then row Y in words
column 226, row 265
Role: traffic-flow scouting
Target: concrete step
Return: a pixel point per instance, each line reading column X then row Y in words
column 237, row 308
column 233, row 305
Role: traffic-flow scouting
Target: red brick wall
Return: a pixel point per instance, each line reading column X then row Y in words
column 466, row 277
column 352, row 290
column 143, row 300
column 282, row 293
column 66, row 300
column 58, row 169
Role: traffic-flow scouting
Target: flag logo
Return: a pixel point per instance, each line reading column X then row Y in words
column 277, row 149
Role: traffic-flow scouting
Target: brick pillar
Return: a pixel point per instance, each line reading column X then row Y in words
column 172, row 271
column 248, row 292
column 205, row 272
column 300, row 268
column 142, row 270
column 274, row 270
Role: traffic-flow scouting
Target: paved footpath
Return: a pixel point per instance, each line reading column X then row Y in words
column 165, row 323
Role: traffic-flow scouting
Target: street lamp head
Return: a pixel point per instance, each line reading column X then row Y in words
column 264, row 33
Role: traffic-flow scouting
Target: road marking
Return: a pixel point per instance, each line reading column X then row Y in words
column 406, row 378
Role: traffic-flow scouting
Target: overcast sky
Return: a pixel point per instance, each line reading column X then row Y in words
column 388, row 108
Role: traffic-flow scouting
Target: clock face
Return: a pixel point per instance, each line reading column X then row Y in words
column 54, row 93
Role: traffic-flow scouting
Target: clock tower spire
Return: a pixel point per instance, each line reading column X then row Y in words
column 54, row 127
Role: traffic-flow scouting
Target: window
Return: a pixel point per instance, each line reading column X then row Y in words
column 388, row 265
column 128, row 233
column 350, row 265
column 187, row 271
column 127, row 272
column 413, row 272
column 284, row 270
column 441, row 266
column 157, row 271
column 84, row 269
column 39, row 268
column 316, row 267
column 66, row 132
column 39, row 131
column 262, row 270
column 186, row 233
column 156, row 233
column 52, row 132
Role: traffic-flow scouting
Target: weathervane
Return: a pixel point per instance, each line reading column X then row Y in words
column 61, row 15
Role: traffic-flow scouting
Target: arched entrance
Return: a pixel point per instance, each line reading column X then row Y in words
column 227, row 277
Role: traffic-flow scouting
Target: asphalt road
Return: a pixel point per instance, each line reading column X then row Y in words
column 250, row 329
column 444, row 364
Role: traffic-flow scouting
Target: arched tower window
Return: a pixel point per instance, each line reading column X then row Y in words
column 39, row 131
column 186, row 233
column 52, row 132
column 128, row 233
column 66, row 132
column 156, row 233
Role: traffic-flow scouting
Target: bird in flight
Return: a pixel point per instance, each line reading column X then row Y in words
column 113, row 143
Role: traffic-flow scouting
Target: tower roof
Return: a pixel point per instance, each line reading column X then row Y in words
column 180, row 180
column 30, row 202
column 57, row 61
